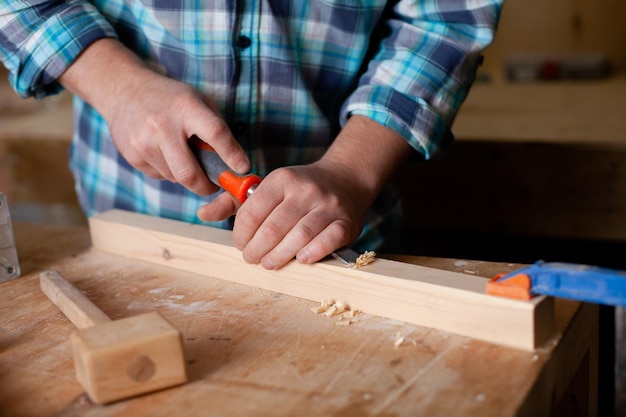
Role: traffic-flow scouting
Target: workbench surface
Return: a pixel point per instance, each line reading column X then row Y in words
column 255, row 352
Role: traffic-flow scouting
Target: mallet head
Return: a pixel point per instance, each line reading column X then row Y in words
column 128, row 357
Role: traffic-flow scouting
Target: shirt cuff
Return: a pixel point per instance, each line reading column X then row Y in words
column 54, row 46
column 412, row 118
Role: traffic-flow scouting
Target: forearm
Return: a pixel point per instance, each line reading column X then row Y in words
column 368, row 153
column 103, row 73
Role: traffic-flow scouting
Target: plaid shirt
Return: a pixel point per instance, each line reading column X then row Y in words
column 285, row 73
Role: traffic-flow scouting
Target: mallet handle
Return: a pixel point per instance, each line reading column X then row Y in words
column 73, row 303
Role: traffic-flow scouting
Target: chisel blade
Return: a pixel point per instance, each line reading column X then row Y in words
column 346, row 256
column 353, row 259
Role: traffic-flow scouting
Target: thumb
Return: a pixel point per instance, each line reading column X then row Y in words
column 221, row 208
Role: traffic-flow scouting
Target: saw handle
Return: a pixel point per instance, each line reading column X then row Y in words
column 239, row 186
column 74, row 304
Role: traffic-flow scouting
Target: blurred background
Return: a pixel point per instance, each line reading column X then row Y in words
column 537, row 171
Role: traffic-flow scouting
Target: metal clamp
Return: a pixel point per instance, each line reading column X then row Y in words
column 9, row 265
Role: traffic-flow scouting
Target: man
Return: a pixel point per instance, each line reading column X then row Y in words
column 322, row 98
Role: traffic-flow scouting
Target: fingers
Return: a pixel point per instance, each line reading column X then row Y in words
column 292, row 216
column 202, row 121
column 334, row 236
column 184, row 167
column 308, row 241
column 221, row 208
column 278, row 240
column 143, row 159
column 212, row 129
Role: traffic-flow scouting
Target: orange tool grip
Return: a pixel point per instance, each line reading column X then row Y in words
column 200, row 144
column 238, row 186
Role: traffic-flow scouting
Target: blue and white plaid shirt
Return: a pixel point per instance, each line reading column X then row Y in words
column 285, row 73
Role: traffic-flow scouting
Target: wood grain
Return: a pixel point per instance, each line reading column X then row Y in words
column 267, row 348
column 73, row 303
column 428, row 297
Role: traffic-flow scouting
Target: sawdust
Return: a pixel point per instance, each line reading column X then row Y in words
column 345, row 315
column 364, row 259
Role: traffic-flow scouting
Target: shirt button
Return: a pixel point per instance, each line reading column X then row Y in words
column 243, row 42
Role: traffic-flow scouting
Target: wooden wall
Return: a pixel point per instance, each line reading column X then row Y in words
column 571, row 26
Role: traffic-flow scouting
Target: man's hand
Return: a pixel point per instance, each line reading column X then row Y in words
column 151, row 116
column 309, row 211
column 304, row 211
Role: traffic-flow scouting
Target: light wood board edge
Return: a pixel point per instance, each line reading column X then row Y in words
column 448, row 301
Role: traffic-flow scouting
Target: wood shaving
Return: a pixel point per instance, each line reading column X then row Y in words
column 399, row 341
column 331, row 311
column 345, row 315
column 322, row 307
column 365, row 258
column 342, row 321
column 335, row 309
column 351, row 313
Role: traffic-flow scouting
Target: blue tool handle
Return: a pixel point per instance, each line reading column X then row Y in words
column 579, row 282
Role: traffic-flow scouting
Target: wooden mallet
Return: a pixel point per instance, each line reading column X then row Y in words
column 117, row 359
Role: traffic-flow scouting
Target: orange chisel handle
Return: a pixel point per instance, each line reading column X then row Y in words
column 239, row 186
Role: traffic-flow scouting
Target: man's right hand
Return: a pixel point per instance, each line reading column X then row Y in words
column 151, row 116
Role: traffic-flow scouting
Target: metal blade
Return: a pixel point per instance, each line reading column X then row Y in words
column 9, row 266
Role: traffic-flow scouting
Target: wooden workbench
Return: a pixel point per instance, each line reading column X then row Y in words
column 254, row 352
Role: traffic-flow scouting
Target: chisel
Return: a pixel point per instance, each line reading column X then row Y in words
column 239, row 186
column 242, row 186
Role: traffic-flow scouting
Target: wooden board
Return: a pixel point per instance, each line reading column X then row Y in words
column 270, row 349
column 425, row 296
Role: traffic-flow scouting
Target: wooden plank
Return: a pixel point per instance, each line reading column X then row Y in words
column 428, row 297
column 244, row 342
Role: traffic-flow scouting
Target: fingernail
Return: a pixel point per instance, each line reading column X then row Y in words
column 243, row 167
column 267, row 263
column 249, row 260
column 303, row 257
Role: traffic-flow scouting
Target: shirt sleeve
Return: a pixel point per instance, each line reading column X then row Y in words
column 423, row 68
column 40, row 39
